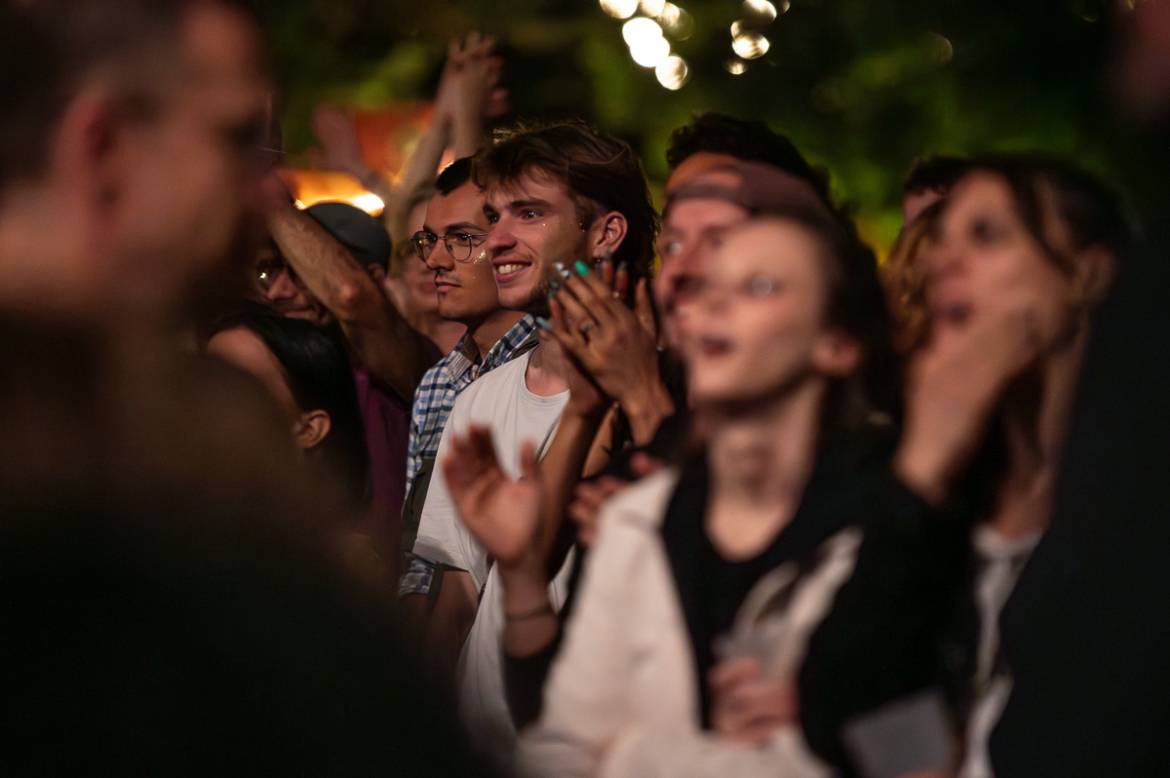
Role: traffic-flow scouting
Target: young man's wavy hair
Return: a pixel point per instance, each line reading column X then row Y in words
column 600, row 172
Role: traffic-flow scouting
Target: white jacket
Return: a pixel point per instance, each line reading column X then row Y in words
column 622, row 699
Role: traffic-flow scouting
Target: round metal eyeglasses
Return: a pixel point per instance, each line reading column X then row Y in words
column 460, row 244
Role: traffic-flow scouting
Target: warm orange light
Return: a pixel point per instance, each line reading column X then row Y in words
column 310, row 187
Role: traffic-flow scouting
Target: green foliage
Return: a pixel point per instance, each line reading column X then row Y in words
column 862, row 87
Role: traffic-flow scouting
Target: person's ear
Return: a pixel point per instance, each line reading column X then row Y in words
column 1093, row 274
column 83, row 146
column 311, row 428
column 607, row 234
column 836, row 354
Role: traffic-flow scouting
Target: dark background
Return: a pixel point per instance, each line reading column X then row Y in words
column 863, row 86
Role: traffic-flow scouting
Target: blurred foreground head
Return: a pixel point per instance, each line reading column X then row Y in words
column 129, row 148
column 174, row 602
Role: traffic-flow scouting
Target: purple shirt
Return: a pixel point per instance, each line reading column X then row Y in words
column 387, row 422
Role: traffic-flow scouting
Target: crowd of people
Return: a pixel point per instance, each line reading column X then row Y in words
column 531, row 477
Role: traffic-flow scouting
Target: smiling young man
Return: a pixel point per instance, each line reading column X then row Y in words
column 451, row 243
column 558, row 198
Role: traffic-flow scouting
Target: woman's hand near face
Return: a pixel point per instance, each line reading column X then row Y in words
column 956, row 382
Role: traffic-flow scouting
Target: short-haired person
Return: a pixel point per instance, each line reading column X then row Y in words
column 128, row 164
column 708, row 157
column 559, row 198
column 451, row 243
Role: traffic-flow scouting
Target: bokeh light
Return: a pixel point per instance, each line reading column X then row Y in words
column 619, row 9
column 761, row 9
column 735, row 66
column 672, row 72
column 652, row 8
column 750, row 45
column 647, row 45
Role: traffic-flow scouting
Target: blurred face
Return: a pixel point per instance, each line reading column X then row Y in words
column 985, row 258
column 456, row 231
column 691, row 234
column 277, row 285
column 189, row 177
column 756, row 330
column 534, row 224
column 694, row 166
column 418, row 280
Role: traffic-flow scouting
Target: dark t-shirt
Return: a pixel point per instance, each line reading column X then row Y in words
column 387, row 425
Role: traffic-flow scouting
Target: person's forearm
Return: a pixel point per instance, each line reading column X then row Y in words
column 646, row 408
column 561, row 469
column 418, row 173
column 530, row 623
column 320, row 261
column 467, row 135
column 379, row 335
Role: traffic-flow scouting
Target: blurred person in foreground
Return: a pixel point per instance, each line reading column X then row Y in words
column 175, row 605
column 1087, row 631
column 785, row 330
column 129, row 166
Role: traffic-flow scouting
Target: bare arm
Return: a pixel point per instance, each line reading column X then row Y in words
column 382, row 339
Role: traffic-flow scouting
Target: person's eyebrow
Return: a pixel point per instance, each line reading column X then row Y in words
column 463, row 225
column 531, row 202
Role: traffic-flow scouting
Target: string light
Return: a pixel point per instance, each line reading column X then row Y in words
column 672, row 72
column 750, row 45
column 762, row 9
column 619, row 9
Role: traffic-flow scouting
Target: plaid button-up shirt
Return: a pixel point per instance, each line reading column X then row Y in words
column 433, row 401
column 436, row 393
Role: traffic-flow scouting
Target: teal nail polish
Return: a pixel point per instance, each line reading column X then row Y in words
column 544, row 323
column 581, row 268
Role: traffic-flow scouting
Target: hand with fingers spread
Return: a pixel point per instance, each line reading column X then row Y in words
column 615, row 344
column 469, row 91
column 956, row 383
column 746, row 707
column 502, row 513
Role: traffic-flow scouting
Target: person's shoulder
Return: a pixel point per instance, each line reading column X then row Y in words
column 488, row 386
column 643, row 504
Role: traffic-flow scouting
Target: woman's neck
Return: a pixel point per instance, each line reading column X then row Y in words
column 762, row 455
column 1035, row 422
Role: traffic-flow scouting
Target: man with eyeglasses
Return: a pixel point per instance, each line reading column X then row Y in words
column 452, row 244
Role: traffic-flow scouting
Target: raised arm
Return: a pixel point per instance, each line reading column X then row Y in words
column 381, row 338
